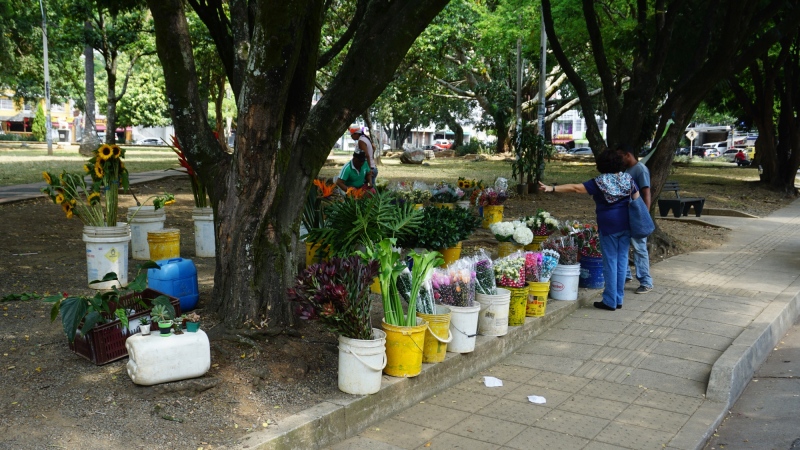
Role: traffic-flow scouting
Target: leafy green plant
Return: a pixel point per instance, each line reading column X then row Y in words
column 85, row 312
column 364, row 222
column 531, row 150
column 144, row 320
column 442, row 228
column 161, row 314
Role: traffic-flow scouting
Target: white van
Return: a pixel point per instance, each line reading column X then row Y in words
column 716, row 148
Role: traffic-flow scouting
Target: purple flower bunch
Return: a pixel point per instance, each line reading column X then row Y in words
column 454, row 287
column 337, row 294
column 492, row 197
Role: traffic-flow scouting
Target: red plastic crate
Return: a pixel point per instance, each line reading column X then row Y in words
column 106, row 342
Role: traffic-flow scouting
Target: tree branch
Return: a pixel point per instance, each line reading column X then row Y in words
column 337, row 47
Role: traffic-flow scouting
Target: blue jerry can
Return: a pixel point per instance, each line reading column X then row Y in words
column 178, row 278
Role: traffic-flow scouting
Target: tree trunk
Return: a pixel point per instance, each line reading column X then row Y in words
column 282, row 140
column 111, row 107
column 89, row 138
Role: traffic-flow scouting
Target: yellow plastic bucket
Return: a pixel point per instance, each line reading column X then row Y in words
column 451, row 255
column 536, row 245
column 404, row 349
column 492, row 214
column 537, row 298
column 375, row 287
column 437, row 335
column 507, row 248
column 164, row 244
column 313, row 254
column 445, row 205
column 419, row 206
column 518, row 306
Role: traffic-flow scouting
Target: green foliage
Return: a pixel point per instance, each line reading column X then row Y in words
column 39, row 126
column 16, row 137
column 23, row 297
column 442, row 228
column 90, row 311
column 474, row 147
column 365, row 222
column 532, row 150
column 145, row 102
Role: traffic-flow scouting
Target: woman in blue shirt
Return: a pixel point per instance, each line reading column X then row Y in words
column 611, row 191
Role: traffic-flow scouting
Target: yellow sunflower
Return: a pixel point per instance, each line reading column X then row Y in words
column 115, row 151
column 67, row 207
column 87, row 168
column 60, row 198
column 46, row 177
column 105, row 152
column 93, row 198
column 98, row 170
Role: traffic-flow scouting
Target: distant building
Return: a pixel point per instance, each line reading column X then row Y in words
column 569, row 130
column 17, row 117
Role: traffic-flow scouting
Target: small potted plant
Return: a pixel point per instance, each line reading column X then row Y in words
column 163, row 317
column 443, row 229
column 192, row 321
column 144, row 325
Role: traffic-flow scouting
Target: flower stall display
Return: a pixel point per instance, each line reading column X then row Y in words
column 492, row 197
column 512, row 236
column 542, row 223
column 539, row 266
column 445, row 193
column 416, row 193
column 455, row 285
column 491, row 202
column 566, row 248
column 588, row 240
column 509, row 271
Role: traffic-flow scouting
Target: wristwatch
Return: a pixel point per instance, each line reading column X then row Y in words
column 554, row 187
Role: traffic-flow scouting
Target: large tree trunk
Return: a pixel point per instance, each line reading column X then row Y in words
column 111, row 98
column 281, row 142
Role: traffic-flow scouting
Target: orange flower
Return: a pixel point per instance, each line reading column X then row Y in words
column 325, row 190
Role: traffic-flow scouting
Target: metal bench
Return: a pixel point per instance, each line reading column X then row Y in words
column 679, row 205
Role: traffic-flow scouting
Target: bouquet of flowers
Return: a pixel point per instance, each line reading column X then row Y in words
column 542, row 223
column 510, row 271
column 565, row 247
column 484, row 274
column 516, row 232
column 588, row 240
column 469, row 187
column 455, row 285
column 445, row 193
column 539, row 266
column 425, row 300
column 416, row 193
column 198, row 190
column 320, row 196
column 491, row 197
column 94, row 204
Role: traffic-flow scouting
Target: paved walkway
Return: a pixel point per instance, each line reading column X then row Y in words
column 20, row 192
column 661, row 372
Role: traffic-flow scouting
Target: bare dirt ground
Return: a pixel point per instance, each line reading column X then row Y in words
column 55, row 399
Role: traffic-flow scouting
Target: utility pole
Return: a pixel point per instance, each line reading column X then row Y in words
column 49, row 124
column 542, row 78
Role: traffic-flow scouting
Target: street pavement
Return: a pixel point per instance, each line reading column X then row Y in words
column 766, row 415
column 662, row 372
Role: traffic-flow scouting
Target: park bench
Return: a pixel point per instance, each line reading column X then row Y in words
column 679, row 205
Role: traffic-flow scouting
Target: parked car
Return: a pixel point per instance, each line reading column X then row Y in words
column 729, row 154
column 750, row 152
column 581, row 151
column 561, row 149
column 682, row 151
column 442, row 144
column 712, row 153
column 150, row 141
column 430, row 147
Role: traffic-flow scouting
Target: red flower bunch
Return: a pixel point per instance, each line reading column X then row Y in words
column 492, row 197
column 198, row 190
column 337, row 294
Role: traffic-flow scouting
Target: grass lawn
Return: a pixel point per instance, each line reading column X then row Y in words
column 22, row 165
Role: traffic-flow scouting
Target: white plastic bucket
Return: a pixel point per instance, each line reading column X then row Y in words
column 107, row 251
column 493, row 316
column 361, row 363
column 204, row 232
column 142, row 220
column 463, row 328
column 463, row 204
column 564, row 282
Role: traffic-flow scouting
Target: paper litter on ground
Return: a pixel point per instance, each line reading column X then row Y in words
column 492, row 382
column 536, row 399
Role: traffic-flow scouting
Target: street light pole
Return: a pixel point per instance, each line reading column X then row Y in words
column 542, row 79
column 49, row 124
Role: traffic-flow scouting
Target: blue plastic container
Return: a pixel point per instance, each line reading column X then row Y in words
column 591, row 273
column 178, row 278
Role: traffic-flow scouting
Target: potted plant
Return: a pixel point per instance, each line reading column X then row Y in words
column 443, row 229
column 90, row 320
column 192, row 321
column 491, row 200
column 531, row 152
column 95, row 205
column 202, row 214
column 359, row 223
column 144, row 326
column 402, row 359
column 336, row 293
column 163, row 318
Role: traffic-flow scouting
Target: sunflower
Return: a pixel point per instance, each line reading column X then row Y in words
column 93, row 198
column 68, row 206
column 87, row 168
column 105, row 152
column 98, row 170
column 115, row 151
column 47, row 178
column 60, row 198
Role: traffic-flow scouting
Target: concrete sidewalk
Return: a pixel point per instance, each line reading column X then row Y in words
column 20, row 192
column 661, row 372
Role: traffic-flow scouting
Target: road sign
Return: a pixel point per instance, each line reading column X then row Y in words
column 691, row 135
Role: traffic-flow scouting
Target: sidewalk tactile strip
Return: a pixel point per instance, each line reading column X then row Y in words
column 602, row 371
column 640, row 343
column 660, row 319
column 619, row 356
column 651, row 331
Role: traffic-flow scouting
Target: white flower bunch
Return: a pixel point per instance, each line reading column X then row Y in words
column 523, row 235
column 517, row 231
column 503, row 231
